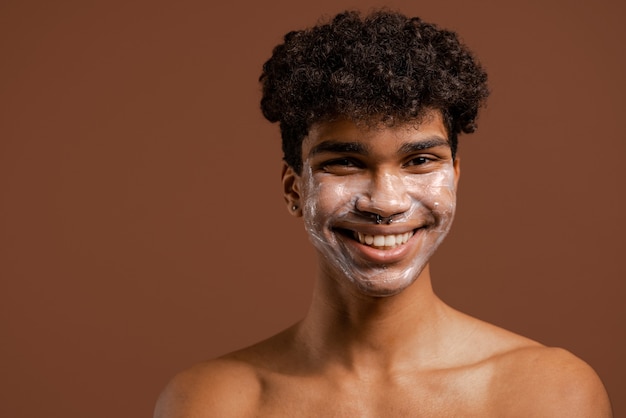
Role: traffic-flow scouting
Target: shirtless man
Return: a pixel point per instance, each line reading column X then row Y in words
column 370, row 109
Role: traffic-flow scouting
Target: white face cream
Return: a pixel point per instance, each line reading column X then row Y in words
column 377, row 202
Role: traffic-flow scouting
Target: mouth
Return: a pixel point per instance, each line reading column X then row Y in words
column 379, row 241
column 380, row 246
column 383, row 241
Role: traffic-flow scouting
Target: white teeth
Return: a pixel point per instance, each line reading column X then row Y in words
column 384, row 240
column 379, row 240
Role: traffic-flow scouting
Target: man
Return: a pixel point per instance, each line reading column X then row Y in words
column 370, row 109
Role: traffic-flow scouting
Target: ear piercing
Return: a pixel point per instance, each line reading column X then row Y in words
column 294, row 207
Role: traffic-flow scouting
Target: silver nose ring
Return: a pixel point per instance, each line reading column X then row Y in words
column 381, row 219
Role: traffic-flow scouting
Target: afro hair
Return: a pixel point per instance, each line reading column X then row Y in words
column 381, row 68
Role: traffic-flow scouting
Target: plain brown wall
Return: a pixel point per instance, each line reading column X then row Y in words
column 142, row 227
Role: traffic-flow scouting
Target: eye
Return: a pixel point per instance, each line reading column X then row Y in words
column 421, row 160
column 341, row 165
column 422, row 163
column 344, row 162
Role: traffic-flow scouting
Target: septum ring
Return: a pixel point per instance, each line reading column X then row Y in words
column 380, row 219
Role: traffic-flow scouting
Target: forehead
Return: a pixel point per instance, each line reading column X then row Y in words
column 429, row 127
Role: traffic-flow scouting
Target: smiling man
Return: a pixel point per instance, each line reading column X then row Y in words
column 370, row 109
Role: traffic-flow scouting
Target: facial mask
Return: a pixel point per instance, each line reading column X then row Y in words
column 340, row 218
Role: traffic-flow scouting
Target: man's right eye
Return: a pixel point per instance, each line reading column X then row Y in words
column 340, row 165
column 343, row 162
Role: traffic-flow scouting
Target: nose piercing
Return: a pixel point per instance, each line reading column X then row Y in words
column 380, row 219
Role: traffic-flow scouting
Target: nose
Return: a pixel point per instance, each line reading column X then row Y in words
column 386, row 195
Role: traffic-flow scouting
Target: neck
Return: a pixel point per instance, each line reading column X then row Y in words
column 354, row 330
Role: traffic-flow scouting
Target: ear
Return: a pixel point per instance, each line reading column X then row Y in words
column 457, row 171
column 291, row 190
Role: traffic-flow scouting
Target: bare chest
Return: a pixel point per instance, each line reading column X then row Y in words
column 423, row 395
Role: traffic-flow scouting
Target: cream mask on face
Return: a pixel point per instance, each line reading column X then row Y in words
column 377, row 202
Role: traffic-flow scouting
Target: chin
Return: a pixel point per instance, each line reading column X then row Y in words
column 384, row 285
column 380, row 293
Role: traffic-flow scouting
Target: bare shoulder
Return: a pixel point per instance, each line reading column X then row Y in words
column 223, row 387
column 528, row 379
column 232, row 385
column 535, row 380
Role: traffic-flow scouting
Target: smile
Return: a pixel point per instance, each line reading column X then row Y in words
column 383, row 241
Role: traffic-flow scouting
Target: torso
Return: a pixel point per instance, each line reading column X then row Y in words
column 506, row 375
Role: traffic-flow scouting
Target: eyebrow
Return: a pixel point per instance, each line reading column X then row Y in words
column 340, row 147
column 431, row 142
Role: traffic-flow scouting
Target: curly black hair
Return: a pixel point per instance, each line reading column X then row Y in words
column 384, row 67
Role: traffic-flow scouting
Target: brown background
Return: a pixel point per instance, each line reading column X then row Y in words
column 142, row 227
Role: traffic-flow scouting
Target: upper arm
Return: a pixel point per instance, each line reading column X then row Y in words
column 209, row 390
column 578, row 391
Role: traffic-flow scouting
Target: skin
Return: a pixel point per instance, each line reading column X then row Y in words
column 376, row 340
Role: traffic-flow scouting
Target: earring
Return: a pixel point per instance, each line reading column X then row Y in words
column 294, row 208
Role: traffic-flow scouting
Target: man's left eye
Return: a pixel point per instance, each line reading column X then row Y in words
column 418, row 161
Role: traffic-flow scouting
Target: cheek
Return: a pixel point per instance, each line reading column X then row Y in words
column 327, row 198
column 436, row 191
